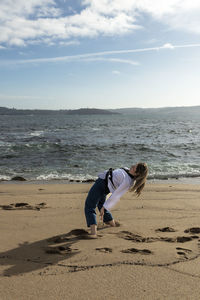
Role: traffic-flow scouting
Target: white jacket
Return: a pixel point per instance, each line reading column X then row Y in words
column 122, row 182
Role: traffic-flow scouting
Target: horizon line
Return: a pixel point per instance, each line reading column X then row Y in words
column 88, row 108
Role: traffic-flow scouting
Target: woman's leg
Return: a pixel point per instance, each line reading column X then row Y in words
column 93, row 229
column 94, row 195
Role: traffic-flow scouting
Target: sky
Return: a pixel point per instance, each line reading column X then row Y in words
column 70, row 54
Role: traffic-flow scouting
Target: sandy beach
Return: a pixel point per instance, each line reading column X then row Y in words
column 45, row 252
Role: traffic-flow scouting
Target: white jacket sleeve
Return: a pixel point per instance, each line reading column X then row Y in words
column 116, row 195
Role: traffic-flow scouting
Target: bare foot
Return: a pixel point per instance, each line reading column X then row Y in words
column 117, row 224
column 111, row 223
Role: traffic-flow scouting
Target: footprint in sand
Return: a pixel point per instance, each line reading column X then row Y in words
column 61, row 250
column 134, row 250
column 165, row 229
column 22, row 205
column 184, row 249
column 183, row 252
column 193, row 230
column 104, row 250
column 71, row 235
column 127, row 235
column 178, row 239
column 183, row 239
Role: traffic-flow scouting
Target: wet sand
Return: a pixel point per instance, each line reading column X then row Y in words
column 45, row 252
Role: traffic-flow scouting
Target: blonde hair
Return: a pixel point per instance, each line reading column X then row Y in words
column 140, row 178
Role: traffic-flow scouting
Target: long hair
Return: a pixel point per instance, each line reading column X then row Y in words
column 140, row 178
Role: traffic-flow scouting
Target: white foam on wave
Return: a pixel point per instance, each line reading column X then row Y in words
column 64, row 176
column 96, row 129
column 4, row 177
column 50, row 176
column 3, row 144
column 37, row 133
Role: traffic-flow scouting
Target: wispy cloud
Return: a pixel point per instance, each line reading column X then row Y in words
column 116, row 72
column 34, row 21
column 125, row 61
column 69, row 43
column 98, row 56
column 111, row 60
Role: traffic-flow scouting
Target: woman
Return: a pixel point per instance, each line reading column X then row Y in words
column 116, row 182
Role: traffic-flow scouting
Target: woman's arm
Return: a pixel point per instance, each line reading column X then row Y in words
column 117, row 194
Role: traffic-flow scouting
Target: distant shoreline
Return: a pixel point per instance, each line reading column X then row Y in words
column 191, row 110
column 81, row 111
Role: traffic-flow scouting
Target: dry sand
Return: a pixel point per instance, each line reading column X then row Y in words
column 45, row 253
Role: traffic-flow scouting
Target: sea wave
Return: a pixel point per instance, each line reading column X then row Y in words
column 77, row 148
column 173, row 176
column 66, row 176
column 5, row 178
column 56, row 176
column 37, row 142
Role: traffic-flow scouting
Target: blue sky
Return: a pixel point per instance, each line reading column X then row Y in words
column 67, row 54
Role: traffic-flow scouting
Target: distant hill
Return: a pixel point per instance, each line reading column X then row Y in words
column 193, row 110
column 81, row 111
column 90, row 111
column 163, row 111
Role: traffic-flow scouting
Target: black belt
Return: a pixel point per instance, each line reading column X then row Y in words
column 109, row 175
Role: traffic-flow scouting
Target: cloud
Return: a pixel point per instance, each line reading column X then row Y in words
column 34, row 21
column 124, row 61
column 69, row 43
column 111, row 60
column 168, row 46
column 23, row 22
column 177, row 14
column 116, row 72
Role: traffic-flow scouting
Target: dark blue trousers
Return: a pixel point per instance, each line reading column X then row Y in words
column 96, row 198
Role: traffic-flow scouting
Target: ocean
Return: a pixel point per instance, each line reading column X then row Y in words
column 78, row 147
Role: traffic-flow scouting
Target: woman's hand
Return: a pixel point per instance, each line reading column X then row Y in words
column 102, row 213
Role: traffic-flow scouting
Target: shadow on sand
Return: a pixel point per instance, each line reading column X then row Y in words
column 28, row 257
